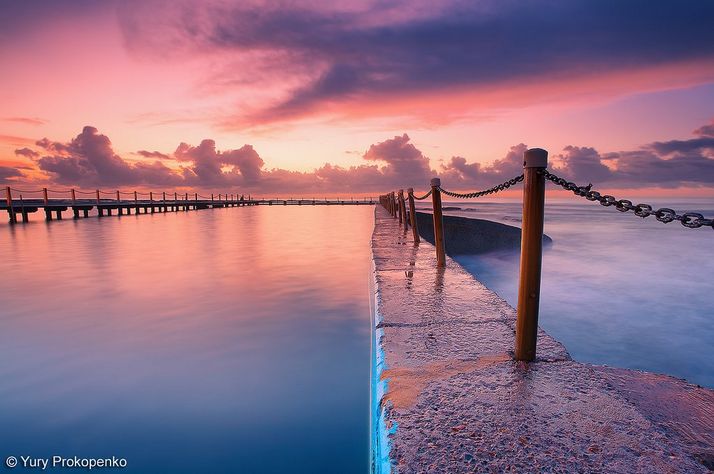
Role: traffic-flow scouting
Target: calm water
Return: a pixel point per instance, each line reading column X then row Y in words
column 616, row 289
column 227, row 340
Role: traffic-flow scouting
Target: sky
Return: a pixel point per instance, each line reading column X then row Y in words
column 355, row 97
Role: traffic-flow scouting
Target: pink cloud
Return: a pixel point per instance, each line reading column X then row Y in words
column 88, row 160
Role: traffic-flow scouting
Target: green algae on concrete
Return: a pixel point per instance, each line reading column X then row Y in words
column 453, row 399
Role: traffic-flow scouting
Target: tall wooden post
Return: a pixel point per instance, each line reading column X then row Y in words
column 136, row 197
column 97, row 197
column 10, row 210
column 151, row 201
column 45, row 198
column 535, row 161
column 412, row 216
column 74, row 197
column 399, row 204
column 118, row 196
column 405, row 217
column 438, row 223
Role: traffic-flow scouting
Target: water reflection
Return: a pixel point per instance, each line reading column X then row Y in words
column 231, row 340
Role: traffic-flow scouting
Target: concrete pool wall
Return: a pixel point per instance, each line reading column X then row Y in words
column 447, row 395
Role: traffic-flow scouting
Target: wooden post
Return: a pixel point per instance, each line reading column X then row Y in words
column 399, row 205
column 100, row 211
column 22, row 211
column 119, row 209
column 438, row 223
column 10, row 210
column 118, row 197
column 412, row 216
column 404, row 210
column 45, row 197
column 74, row 197
column 163, row 195
column 535, row 161
column 151, row 201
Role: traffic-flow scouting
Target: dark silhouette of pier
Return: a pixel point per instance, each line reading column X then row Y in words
column 125, row 203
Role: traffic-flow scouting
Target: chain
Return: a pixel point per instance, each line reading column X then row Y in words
column 692, row 220
column 421, row 198
column 493, row 190
column 25, row 190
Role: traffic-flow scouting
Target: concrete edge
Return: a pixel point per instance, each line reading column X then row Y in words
column 379, row 433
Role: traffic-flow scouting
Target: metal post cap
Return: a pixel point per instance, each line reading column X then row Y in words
column 435, row 182
column 535, row 158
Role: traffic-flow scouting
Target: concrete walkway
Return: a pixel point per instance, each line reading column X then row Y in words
column 450, row 398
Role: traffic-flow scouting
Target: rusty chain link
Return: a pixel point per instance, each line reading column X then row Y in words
column 692, row 220
column 493, row 190
column 421, row 198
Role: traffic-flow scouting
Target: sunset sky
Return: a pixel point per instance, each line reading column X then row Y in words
column 355, row 96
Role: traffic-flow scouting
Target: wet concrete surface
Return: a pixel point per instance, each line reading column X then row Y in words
column 456, row 401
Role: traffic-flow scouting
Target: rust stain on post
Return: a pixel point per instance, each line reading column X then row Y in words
column 535, row 161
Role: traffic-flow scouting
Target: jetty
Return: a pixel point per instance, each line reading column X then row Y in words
column 105, row 203
column 463, row 382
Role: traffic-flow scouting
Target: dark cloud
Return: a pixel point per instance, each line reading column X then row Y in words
column 457, row 172
column 27, row 152
column 153, row 154
column 9, row 172
column 208, row 164
column 584, row 163
column 387, row 48
column 705, row 130
column 703, row 143
column 406, row 163
column 89, row 160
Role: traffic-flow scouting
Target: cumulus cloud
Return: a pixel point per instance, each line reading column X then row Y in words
column 208, row 164
column 405, row 161
column 89, row 160
column 461, row 173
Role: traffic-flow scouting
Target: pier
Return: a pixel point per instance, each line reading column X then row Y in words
column 463, row 382
column 104, row 203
